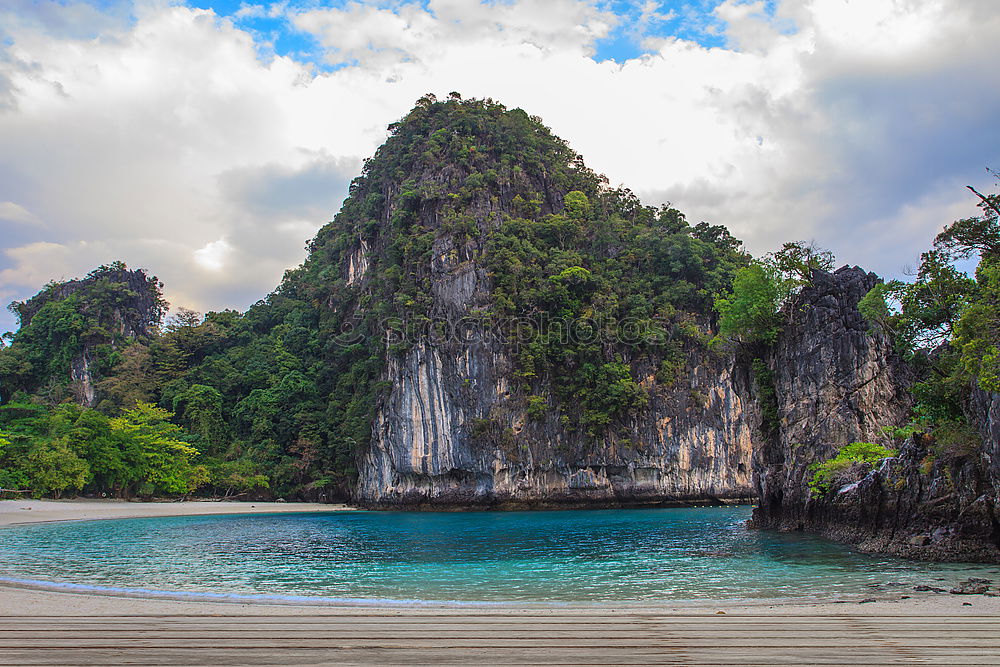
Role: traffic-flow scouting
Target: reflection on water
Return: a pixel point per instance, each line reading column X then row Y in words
column 607, row 555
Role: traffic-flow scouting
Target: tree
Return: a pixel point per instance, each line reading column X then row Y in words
column 241, row 476
column 950, row 323
column 163, row 461
column 797, row 260
column 132, row 379
column 922, row 314
column 749, row 314
column 200, row 410
column 184, row 317
column 53, row 467
column 977, row 332
column 9, row 478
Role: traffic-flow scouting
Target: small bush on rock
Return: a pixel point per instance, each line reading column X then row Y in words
column 866, row 453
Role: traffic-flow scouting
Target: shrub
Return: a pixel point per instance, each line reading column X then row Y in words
column 864, row 453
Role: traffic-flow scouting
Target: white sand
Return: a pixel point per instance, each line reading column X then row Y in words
column 14, row 512
column 17, row 601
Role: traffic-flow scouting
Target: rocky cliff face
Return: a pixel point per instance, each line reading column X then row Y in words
column 839, row 382
column 452, row 434
column 455, row 426
column 454, row 429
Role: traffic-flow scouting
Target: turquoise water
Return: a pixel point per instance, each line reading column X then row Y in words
column 595, row 556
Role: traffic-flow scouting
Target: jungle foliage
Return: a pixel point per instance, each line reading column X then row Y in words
column 948, row 324
column 280, row 399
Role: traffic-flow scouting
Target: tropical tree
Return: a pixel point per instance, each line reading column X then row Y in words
column 54, row 467
column 155, row 450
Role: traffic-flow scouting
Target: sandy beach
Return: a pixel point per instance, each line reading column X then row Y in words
column 14, row 512
column 49, row 627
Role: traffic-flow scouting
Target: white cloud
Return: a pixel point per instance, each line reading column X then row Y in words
column 213, row 255
column 168, row 142
column 13, row 212
column 381, row 36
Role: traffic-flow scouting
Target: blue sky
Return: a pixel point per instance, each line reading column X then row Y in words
column 169, row 135
column 691, row 20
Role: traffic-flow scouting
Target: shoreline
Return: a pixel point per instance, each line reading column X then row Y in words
column 24, row 512
column 21, row 595
column 31, row 600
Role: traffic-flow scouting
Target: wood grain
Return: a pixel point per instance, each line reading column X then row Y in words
column 502, row 638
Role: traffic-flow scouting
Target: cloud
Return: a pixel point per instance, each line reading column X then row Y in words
column 63, row 19
column 166, row 136
column 12, row 212
column 314, row 189
column 376, row 36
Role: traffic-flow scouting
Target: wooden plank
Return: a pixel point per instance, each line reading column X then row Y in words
column 503, row 639
column 985, row 645
column 479, row 656
column 446, row 631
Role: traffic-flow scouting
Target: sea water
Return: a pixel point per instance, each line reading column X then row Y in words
column 615, row 556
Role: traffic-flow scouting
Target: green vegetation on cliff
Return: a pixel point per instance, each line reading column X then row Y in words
column 83, row 322
column 282, row 398
column 826, row 473
column 948, row 325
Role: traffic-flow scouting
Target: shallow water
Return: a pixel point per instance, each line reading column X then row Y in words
column 594, row 556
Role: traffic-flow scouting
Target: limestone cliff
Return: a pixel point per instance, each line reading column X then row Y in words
column 451, row 433
column 839, row 381
column 473, row 221
column 470, row 232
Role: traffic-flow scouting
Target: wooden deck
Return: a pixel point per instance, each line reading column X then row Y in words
column 483, row 637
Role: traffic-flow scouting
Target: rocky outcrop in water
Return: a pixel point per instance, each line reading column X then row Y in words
column 838, row 381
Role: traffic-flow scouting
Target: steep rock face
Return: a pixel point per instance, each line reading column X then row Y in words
column 838, row 382
column 985, row 412
column 453, row 432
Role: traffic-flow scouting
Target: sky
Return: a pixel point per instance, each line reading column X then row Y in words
column 208, row 140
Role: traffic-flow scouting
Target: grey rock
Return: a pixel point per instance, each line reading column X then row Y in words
column 926, row 589
column 970, row 587
column 839, row 381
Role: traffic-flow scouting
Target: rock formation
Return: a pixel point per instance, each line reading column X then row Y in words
column 838, row 381
column 453, row 428
column 451, row 434
column 112, row 305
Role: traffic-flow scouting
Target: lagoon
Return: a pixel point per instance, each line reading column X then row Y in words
column 599, row 556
